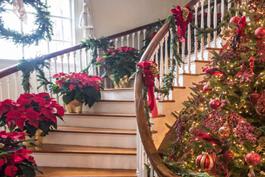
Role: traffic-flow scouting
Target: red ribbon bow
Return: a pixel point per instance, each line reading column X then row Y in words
column 241, row 25
column 150, row 72
column 182, row 18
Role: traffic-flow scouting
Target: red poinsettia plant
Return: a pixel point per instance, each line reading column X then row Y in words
column 78, row 86
column 15, row 159
column 31, row 112
column 119, row 63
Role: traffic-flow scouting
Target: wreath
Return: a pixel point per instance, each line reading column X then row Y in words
column 43, row 31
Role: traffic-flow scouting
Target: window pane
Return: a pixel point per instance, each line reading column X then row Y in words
column 10, row 51
column 57, row 45
column 36, row 50
column 59, row 7
column 61, row 29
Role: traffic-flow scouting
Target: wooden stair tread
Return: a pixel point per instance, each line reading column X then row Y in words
column 123, row 101
column 100, row 114
column 82, row 172
column 202, row 61
column 56, row 148
column 191, row 74
column 95, row 130
column 118, row 89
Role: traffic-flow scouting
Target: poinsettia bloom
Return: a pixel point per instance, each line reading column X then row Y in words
column 11, row 171
column 125, row 49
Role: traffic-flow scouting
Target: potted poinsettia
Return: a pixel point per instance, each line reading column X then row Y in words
column 77, row 89
column 36, row 114
column 119, row 64
column 15, row 159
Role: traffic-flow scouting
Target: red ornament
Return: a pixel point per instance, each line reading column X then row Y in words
column 229, row 155
column 205, row 161
column 235, row 20
column 253, row 158
column 215, row 103
column 260, row 32
column 206, row 88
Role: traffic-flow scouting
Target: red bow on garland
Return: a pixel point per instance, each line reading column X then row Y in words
column 182, row 18
column 150, row 72
column 241, row 25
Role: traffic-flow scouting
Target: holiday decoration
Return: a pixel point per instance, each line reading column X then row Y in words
column 119, row 64
column 15, row 159
column 44, row 25
column 183, row 16
column 224, row 131
column 225, row 113
column 76, row 89
column 150, row 72
column 31, row 112
column 260, row 32
column 205, row 161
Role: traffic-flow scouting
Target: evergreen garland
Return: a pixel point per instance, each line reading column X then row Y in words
column 43, row 23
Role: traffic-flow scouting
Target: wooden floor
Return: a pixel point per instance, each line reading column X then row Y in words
column 79, row 172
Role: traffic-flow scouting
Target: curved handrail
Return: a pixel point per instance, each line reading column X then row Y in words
column 14, row 68
column 143, row 125
column 142, row 122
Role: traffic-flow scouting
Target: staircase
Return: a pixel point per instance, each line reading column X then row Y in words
column 113, row 139
column 100, row 142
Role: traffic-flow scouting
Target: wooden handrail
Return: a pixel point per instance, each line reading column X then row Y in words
column 14, row 68
column 143, row 126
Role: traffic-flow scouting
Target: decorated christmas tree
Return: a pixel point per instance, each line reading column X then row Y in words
column 221, row 130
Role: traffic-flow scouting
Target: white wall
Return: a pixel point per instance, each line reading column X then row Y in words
column 114, row 16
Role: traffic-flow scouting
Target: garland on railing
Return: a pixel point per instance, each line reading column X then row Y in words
column 43, row 30
column 27, row 67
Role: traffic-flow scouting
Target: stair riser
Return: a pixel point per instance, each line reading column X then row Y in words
column 119, row 94
column 91, row 139
column 99, row 161
column 112, row 107
column 99, row 122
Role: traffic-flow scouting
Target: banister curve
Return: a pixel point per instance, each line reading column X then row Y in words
column 143, row 126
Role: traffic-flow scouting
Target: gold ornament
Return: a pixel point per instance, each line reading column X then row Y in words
column 224, row 131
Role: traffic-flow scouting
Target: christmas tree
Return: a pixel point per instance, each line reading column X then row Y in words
column 221, row 130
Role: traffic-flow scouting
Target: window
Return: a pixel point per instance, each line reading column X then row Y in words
column 62, row 18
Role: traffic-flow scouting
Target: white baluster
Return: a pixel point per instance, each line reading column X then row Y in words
column 80, row 59
column 55, row 65
column 74, row 58
column 68, row 62
column 166, row 54
column 144, row 34
column 62, row 62
column 222, row 9
column 8, row 87
column 202, row 26
column 161, row 61
column 133, row 40
column 229, row 4
column 195, row 32
column 128, row 40
column 86, row 55
column 183, row 44
column 189, row 49
column 215, row 23
column 16, row 85
column 138, row 40
column 209, row 22
column 122, row 41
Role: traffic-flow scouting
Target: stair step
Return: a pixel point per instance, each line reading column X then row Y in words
column 95, row 130
column 99, row 137
column 118, row 94
column 118, row 121
column 80, row 172
column 85, row 157
column 113, row 106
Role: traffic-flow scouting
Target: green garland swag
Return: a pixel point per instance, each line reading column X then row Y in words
column 44, row 25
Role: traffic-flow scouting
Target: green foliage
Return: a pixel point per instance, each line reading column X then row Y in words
column 43, row 23
column 27, row 67
column 96, row 45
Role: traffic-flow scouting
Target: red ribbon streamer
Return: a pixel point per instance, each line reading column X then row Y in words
column 241, row 25
column 182, row 21
column 149, row 75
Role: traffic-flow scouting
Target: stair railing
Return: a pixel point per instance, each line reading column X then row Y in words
column 206, row 14
column 73, row 59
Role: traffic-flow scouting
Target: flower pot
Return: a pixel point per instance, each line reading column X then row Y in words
column 35, row 140
column 74, row 106
column 124, row 82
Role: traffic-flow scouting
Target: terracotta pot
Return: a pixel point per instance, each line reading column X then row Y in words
column 74, row 106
